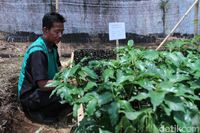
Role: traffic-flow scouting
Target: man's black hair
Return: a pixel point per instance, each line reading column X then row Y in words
column 51, row 18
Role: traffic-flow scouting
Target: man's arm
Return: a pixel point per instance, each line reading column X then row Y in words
column 39, row 70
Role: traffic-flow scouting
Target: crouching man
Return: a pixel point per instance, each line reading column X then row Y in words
column 41, row 62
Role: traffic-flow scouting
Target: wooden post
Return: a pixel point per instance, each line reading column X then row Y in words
column 196, row 18
column 176, row 26
column 72, row 59
column 51, row 4
column 117, row 47
column 59, row 44
column 81, row 114
column 57, row 5
column 81, row 108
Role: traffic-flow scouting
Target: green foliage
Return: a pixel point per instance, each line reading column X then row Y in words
column 139, row 93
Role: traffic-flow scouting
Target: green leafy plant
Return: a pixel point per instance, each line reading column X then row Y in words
column 143, row 91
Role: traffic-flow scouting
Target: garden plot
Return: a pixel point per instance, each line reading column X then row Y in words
column 144, row 90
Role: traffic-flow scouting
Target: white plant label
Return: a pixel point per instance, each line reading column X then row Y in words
column 117, row 31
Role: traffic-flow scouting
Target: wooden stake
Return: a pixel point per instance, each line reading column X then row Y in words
column 81, row 109
column 72, row 59
column 59, row 44
column 117, row 47
column 57, row 5
column 80, row 114
column 196, row 18
column 176, row 26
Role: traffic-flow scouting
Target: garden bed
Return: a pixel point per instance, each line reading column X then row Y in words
column 142, row 91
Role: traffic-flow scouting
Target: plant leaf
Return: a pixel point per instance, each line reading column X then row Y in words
column 121, row 77
column 151, row 55
column 125, row 105
column 132, row 115
column 75, row 110
column 174, row 103
column 89, row 86
column 108, row 73
column 55, row 83
column 113, row 113
column 103, row 131
column 56, row 89
column 146, row 84
column 91, row 107
column 139, row 97
column 130, row 43
column 90, row 72
column 105, row 98
column 74, row 69
column 157, row 97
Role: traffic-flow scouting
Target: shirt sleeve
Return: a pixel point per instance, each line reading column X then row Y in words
column 39, row 66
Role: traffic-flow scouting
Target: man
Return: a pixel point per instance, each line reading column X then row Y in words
column 41, row 62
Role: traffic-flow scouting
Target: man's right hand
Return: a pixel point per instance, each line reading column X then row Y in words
column 42, row 85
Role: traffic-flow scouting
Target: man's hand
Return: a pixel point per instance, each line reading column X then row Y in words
column 43, row 83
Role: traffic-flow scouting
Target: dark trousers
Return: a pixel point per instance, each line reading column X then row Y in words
column 39, row 107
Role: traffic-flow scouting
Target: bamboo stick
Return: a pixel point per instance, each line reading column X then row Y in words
column 196, row 18
column 117, row 47
column 59, row 44
column 176, row 26
column 81, row 108
column 57, row 5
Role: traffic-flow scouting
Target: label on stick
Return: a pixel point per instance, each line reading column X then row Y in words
column 117, row 31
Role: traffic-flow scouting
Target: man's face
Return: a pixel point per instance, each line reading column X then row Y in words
column 55, row 33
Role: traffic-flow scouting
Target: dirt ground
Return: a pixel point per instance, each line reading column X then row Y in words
column 12, row 119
